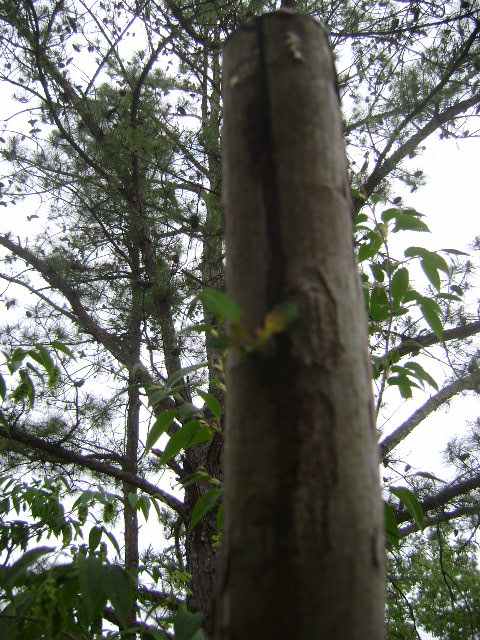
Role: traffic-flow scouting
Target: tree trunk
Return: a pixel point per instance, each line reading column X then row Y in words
column 130, row 516
column 303, row 555
column 200, row 549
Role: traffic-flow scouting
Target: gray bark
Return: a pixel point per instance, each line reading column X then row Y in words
column 303, row 555
column 130, row 517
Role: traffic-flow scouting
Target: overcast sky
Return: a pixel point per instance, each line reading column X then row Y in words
column 451, row 204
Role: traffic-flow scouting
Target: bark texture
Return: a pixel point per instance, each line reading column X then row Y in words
column 303, row 553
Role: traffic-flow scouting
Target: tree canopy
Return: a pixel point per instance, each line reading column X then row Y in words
column 114, row 341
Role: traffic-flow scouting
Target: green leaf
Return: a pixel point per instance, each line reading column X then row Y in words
column 378, row 272
column 28, row 382
column 368, row 250
column 359, row 218
column 191, row 434
column 5, row 505
column 365, row 291
column 186, row 624
column 41, row 355
column 15, row 574
column 16, row 358
column 431, row 313
column 276, row 321
column 408, row 222
column 438, row 261
column 420, row 373
column 200, row 476
column 212, row 403
column 455, row 252
column 87, row 497
column 413, row 506
column 157, row 508
column 359, row 195
column 156, row 394
column 220, row 305
column 120, row 589
column 53, row 377
column 92, row 581
column 205, row 503
column 35, row 370
column 391, row 527
column 399, row 286
column 404, row 385
column 113, row 540
column 431, row 272
column 144, row 505
column 412, row 295
column 405, row 219
column 59, row 346
column 198, row 327
column 3, row 387
column 66, row 534
column 188, row 410
column 435, row 259
column 160, row 426
column 94, row 538
column 415, row 252
column 379, row 307
column 109, row 511
column 390, row 214
column 431, row 263
column 181, row 373
column 450, row 296
column 25, row 389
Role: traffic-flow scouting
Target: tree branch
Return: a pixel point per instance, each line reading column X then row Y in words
column 450, row 492
column 60, row 453
column 444, row 496
column 467, row 383
column 427, row 100
column 86, row 322
column 159, row 597
column 369, row 119
column 142, row 627
column 412, row 345
column 388, row 164
column 186, row 24
column 446, row 516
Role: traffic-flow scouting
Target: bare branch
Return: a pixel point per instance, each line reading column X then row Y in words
column 159, row 597
column 456, row 489
column 150, row 630
column 413, row 345
column 467, row 383
column 38, row 293
column 450, row 492
column 445, row 516
column 390, row 163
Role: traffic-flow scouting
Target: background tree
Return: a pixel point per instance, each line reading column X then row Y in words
column 113, row 135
